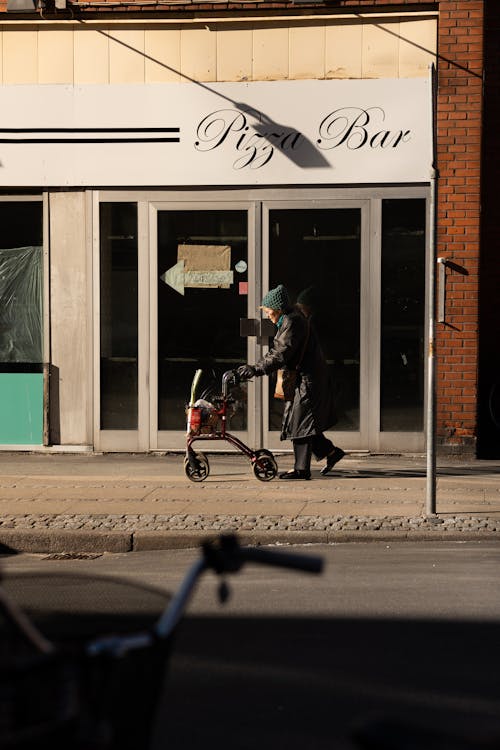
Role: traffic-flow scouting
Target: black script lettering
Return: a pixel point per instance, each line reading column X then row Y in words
column 231, row 127
column 388, row 139
column 346, row 125
column 290, row 140
column 215, row 128
column 402, row 137
column 258, row 152
column 353, row 127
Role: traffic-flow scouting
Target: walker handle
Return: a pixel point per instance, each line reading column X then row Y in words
column 230, row 377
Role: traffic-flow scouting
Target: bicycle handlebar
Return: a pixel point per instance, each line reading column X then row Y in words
column 225, row 555
column 306, row 563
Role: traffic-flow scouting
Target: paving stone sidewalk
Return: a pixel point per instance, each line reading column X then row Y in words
column 122, row 502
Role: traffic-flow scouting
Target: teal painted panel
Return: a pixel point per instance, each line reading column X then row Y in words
column 21, row 408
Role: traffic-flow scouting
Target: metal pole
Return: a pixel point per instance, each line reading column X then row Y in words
column 430, row 505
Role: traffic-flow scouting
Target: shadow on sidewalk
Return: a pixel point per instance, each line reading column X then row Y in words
column 413, row 472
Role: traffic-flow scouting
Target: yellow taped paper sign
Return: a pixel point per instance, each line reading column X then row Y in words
column 207, row 266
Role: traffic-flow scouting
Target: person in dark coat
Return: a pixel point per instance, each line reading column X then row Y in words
column 312, row 410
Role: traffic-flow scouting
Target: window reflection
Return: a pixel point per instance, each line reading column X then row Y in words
column 403, row 313
column 119, row 316
column 321, row 248
column 198, row 325
column 21, row 286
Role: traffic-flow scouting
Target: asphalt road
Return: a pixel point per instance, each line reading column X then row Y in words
column 393, row 645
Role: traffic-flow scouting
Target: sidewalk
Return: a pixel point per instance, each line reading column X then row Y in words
column 91, row 503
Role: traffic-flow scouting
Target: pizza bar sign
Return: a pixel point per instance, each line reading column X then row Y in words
column 259, row 133
column 350, row 127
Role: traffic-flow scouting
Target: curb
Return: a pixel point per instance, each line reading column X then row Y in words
column 85, row 542
column 45, row 540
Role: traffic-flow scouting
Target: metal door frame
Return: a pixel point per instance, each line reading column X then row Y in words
column 348, row 439
column 164, row 439
column 257, row 202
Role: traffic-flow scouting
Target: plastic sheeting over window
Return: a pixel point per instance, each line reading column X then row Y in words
column 21, row 290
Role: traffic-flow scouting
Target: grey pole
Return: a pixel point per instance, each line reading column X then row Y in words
column 430, row 505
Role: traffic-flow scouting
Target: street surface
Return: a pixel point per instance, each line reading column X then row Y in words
column 390, row 633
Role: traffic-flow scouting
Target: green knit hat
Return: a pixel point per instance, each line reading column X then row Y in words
column 277, row 299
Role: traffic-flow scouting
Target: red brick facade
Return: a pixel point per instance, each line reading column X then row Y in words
column 459, row 116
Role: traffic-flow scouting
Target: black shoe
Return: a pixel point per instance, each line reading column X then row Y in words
column 332, row 459
column 296, row 474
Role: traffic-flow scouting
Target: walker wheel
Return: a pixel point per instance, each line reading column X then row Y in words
column 265, row 467
column 198, row 468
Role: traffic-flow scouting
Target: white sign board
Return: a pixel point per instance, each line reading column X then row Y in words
column 260, row 133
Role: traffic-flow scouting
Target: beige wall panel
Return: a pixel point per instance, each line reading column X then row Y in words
column 343, row 49
column 380, row 56
column 1, row 54
column 270, row 54
column 199, row 54
column 91, row 50
column 20, row 57
column 417, row 47
column 126, row 56
column 70, row 310
column 234, row 54
column 55, row 55
column 163, row 55
column 307, row 52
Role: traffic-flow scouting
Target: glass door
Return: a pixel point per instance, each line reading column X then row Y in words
column 179, row 288
column 402, row 319
column 320, row 251
column 119, row 373
column 201, row 286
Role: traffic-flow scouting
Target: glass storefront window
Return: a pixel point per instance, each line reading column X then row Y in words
column 119, row 316
column 21, row 283
column 199, row 328
column 403, row 315
column 202, row 288
column 321, row 249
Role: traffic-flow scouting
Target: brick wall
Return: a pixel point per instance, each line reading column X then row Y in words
column 459, row 113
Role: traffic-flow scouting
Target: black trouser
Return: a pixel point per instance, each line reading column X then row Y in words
column 304, row 447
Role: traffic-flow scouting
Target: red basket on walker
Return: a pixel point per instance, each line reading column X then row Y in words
column 202, row 417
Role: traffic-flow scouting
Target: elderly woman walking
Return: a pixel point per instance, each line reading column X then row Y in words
column 311, row 409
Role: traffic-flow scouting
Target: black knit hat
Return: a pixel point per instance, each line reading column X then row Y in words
column 277, row 299
column 308, row 297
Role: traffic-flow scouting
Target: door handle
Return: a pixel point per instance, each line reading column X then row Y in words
column 263, row 329
column 249, row 327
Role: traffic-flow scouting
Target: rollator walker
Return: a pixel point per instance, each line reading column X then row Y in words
column 208, row 420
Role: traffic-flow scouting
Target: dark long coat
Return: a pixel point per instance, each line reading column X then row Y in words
column 312, row 410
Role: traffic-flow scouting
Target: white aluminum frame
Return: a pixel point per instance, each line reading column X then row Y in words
column 257, row 202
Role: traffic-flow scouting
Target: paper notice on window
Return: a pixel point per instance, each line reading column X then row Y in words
column 206, row 266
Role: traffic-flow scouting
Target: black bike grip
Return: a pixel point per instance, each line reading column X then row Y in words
column 281, row 559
